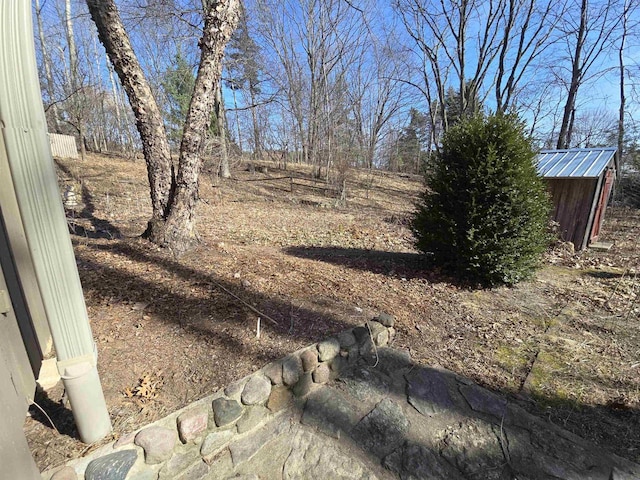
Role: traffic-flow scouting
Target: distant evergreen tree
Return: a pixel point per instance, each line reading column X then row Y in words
column 244, row 63
column 485, row 213
column 409, row 154
column 244, row 66
column 178, row 85
column 454, row 108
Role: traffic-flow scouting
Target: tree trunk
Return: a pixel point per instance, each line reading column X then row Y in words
column 221, row 117
column 257, row 142
column 564, row 136
column 83, row 147
column 623, row 99
column 178, row 231
column 46, row 61
column 238, row 132
column 76, row 99
column 148, row 119
column 116, row 104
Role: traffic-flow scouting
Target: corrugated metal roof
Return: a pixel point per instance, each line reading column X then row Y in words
column 574, row 162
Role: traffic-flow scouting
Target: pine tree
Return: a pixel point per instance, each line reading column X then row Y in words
column 485, row 213
column 245, row 70
column 409, row 155
column 178, row 86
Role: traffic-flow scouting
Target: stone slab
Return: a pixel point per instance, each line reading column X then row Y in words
column 331, row 412
column 428, row 392
column 245, row 448
column 214, row 442
column 251, row 418
column 482, row 400
column 382, row 430
column 320, row 459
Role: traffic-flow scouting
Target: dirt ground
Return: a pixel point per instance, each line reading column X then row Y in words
column 566, row 345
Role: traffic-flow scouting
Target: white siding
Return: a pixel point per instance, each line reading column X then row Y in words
column 63, row 146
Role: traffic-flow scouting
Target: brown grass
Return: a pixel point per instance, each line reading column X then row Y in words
column 565, row 344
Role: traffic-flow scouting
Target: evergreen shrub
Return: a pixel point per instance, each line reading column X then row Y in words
column 485, row 212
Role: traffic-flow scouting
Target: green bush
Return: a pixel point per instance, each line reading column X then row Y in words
column 485, row 212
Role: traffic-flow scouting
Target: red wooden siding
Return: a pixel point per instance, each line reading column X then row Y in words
column 602, row 205
column 572, row 202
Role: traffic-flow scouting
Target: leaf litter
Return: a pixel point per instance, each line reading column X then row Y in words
column 565, row 345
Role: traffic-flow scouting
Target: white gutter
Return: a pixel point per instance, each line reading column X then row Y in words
column 24, row 131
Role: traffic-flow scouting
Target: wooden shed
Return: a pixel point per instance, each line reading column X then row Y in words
column 580, row 181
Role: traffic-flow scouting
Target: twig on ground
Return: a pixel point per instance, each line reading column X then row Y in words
column 504, row 446
column 375, row 349
column 250, row 307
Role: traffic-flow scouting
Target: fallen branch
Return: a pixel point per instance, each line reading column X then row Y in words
column 250, row 307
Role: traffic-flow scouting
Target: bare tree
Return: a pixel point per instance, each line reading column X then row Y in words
column 312, row 46
column 443, row 37
column 244, row 67
column 221, row 124
column 77, row 109
column 627, row 28
column 46, row 65
column 585, row 42
column 375, row 94
column 593, row 127
column 528, row 27
column 173, row 197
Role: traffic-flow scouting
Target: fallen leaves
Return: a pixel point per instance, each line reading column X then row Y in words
column 147, row 388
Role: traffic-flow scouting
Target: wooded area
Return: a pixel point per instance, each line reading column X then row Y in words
column 335, row 84
column 330, row 80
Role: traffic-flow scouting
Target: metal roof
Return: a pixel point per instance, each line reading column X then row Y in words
column 574, row 162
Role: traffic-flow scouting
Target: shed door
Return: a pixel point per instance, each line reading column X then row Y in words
column 602, row 205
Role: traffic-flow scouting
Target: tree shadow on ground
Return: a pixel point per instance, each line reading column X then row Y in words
column 388, row 413
column 603, row 274
column 500, row 448
column 99, row 228
column 403, row 265
column 173, row 308
column 397, row 264
column 217, row 319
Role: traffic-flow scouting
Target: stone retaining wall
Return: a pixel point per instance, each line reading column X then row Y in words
column 184, row 444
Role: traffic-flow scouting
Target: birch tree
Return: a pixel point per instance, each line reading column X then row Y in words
column 173, row 194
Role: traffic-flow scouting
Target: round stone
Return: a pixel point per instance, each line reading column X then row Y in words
column 66, row 473
column 225, row 411
column 256, row 391
column 385, row 319
column 322, row 374
column 114, row 466
column 346, row 339
column 309, row 360
column 291, row 370
column 158, row 443
column 328, row 349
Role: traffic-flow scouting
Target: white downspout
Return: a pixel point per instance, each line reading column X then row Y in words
column 24, row 131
